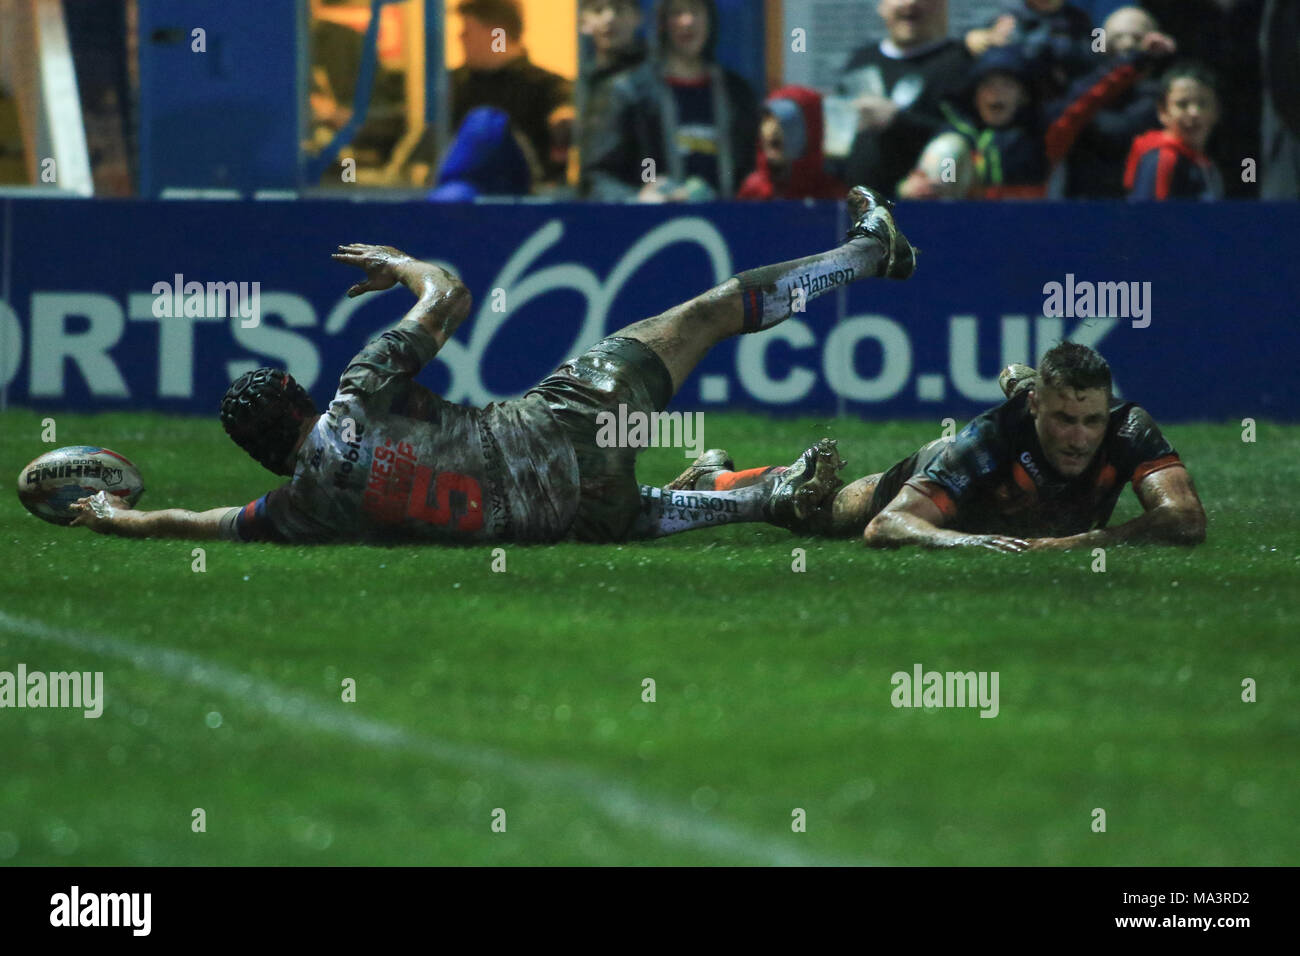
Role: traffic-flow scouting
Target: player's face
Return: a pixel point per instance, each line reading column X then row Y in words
column 611, row 24
column 1189, row 111
column 688, row 27
column 913, row 22
column 1070, row 424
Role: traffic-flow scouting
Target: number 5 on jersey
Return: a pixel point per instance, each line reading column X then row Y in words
column 447, row 500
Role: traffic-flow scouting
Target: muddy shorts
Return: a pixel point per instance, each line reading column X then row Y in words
column 615, row 371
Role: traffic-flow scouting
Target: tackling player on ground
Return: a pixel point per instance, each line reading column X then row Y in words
column 1042, row 471
column 391, row 461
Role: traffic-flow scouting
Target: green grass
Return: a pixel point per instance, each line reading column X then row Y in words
column 522, row 690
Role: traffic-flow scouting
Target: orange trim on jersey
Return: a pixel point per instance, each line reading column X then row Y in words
column 1106, row 477
column 1150, row 467
column 726, row 480
column 1022, row 478
column 936, row 493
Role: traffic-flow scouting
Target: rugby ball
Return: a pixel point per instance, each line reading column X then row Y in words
column 948, row 163
column 49, row 485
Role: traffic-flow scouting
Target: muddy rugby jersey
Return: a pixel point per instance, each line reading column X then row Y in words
column 391, row 461
column 993, row 477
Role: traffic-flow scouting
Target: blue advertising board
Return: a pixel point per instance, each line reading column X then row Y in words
column 1193, row 304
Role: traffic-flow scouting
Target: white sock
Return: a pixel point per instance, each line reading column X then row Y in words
column 669, row 512
column 770, row 294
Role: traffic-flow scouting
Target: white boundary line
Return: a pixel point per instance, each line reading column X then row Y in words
column 616, row 801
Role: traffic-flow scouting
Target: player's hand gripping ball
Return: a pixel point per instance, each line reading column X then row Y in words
column 50, row 485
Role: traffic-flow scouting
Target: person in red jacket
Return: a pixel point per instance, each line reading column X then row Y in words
column 1170, row 163
column 790, row 162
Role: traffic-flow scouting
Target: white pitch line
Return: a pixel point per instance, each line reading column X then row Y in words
column 616, row 801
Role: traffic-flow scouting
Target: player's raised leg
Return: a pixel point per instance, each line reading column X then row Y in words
column 640, row 368
column 761, row 298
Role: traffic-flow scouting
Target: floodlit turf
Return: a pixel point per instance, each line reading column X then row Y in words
column 523, row 690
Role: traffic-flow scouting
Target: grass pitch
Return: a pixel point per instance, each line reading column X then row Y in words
column 523, row 690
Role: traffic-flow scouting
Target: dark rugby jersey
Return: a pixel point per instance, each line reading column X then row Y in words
column 993, row 477
column 697, row 128
column 414, row 466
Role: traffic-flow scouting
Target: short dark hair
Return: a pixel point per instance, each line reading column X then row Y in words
column 498, row 13
column 263, row 412
column 1187, row 70
column 1071, row 365
column 661, row 28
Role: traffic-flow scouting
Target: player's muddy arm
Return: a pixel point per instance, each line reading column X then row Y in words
column 126, row 522
column 443, row 301
column 1174, row 515
column 912, row 518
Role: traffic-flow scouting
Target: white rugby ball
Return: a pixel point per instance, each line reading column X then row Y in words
column 49, row 485
column 948, row 162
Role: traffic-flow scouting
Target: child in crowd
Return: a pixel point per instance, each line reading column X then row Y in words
column 1170, row 163
column 790, row 160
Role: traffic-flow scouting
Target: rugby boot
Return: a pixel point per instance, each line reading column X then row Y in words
column 801, row 495
column 873, row 217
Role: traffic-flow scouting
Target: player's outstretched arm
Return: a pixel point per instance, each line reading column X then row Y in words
column 106, row 514
column 443, row 300
column 912, row 518
column 1173, row 515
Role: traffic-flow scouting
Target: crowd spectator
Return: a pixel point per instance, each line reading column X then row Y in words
column 1280, row 55
column 1223, row 35
column 336, row 52
column 1005, row 103
column 612, row 26
column 1170, row 163
column 790, row 163
column 1001, row 119
column 611, row 31
column 1095, row 166
column 897, row 87
column 1014, row 141
column 678, row 127
column 497, row 72
column 1054, row 37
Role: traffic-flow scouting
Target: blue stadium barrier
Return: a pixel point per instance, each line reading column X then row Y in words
column 1211, row 335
